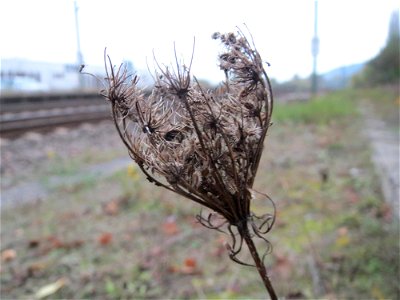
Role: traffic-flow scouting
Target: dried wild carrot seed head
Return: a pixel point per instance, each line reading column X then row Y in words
column 202, row 144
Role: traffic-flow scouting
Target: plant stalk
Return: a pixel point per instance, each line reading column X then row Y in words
column 244, row 232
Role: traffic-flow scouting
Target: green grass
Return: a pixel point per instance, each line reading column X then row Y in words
column 320, row 110
column 385, row 103
column 342, row 223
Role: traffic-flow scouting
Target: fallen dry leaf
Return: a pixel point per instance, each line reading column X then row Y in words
column 35, row 268
column 111, row 208
column 8, row 255
column 73, row 244
column 54, row 242
column 190, row 262
column 170, row 227
column 51, row 288
column 190, row 267
column 173, row 269
column 385, row 211
column 105, row 238
column 33, row 243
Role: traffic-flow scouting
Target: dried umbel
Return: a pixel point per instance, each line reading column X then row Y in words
column 204, row 145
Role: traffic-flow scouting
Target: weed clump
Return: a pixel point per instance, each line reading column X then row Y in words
column 201, row 144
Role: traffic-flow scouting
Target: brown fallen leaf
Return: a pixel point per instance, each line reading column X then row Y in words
column 73, row 244
column 173, row 269
column 105, row 238
column 33, row 243
column 36, row 268
column 384, row 211
column 170, row 227
column 54, row 242
column 190, row 262
column 190, row 267
column 298, row 295
column 111, row 208
column 8, row 255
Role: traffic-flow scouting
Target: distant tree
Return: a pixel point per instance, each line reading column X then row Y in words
column 385, row 67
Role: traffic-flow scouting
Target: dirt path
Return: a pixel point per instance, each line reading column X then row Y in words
column 385, row 147
column 34, row 190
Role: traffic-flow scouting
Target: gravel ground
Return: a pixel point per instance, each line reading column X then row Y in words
column 34, row 155
column 385, row 146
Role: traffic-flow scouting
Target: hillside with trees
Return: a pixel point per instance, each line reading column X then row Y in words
column 385, row 67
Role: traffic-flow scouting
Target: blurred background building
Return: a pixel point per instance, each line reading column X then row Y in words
column 28, row 75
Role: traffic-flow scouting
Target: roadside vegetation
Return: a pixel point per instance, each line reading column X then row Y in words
column 118, row 237
column 320, row 110
column 384, row 68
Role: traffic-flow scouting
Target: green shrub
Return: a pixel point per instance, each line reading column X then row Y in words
column 321, row 110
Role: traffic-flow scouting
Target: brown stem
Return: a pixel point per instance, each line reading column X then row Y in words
column 244, row 232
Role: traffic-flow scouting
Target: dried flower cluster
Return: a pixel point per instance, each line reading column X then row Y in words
column 204, row 145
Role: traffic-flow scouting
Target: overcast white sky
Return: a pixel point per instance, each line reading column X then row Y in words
column 350, row 31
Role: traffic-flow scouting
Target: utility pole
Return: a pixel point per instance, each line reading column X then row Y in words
column 315, row 50
column 78, row 44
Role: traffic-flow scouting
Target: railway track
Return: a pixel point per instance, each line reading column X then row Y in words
column 25, row 113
